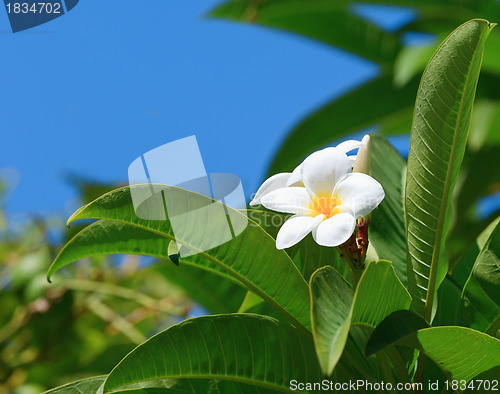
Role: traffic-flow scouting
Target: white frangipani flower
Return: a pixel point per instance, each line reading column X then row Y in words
column 328, row 204
column 293, row 179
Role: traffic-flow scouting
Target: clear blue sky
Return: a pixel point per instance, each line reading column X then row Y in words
column 92, row 90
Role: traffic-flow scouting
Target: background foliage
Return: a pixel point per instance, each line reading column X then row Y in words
column 82, row 326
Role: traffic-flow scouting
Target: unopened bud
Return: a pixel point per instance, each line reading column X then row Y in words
column 362, row 163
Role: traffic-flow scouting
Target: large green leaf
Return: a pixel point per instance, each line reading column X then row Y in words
column 438, row 139
column 244, row 348
column 331, row 22
column 335, row 307
column 85, row 386
column 354, row 111
column 251, row 257
column 331, row 311
column 462, row 352
column 387, row 226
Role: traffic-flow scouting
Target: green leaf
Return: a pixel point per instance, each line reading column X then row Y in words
column 251, row 257
column 379, row 293
column 354, row 111
column 466, row 308
column 329, row 22
column 481, row 295
column 213, row 291
column 387, row 226
column 438, row 139
column 335, row 307
column 487, row 268
column 461, row 352
column 331, row 311
column 394, row 327
column 85, row 386
column 242, row 348
column 250, row 301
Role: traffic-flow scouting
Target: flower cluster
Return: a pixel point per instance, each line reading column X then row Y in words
column 326, row 197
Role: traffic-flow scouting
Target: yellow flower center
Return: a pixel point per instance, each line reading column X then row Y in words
column 325, row 205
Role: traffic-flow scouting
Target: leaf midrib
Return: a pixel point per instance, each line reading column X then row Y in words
column 224, row 377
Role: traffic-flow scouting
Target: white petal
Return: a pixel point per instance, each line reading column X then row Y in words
column 349, row 145
column 289, row 200
column 352, row 159
column 295, row 229
column 273, row 183
column 335, row 230
column 323, row 169
column 360, row 192
column 296, row 178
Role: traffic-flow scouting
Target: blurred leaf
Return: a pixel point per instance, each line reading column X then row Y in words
column 439, row 135
column 411, row 61
column 329, row 22
column 85, row 386
column 480, row 177
column 485, row 124
column 244, row 348
column 387, row 226
column 354, row 111
column 255, row 267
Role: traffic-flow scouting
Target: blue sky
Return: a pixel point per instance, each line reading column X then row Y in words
column 91, row 91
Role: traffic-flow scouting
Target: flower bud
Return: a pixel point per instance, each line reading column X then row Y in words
column 362, row 163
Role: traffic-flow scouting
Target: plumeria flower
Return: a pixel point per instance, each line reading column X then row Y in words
column 293, row 179
column 329, row 203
